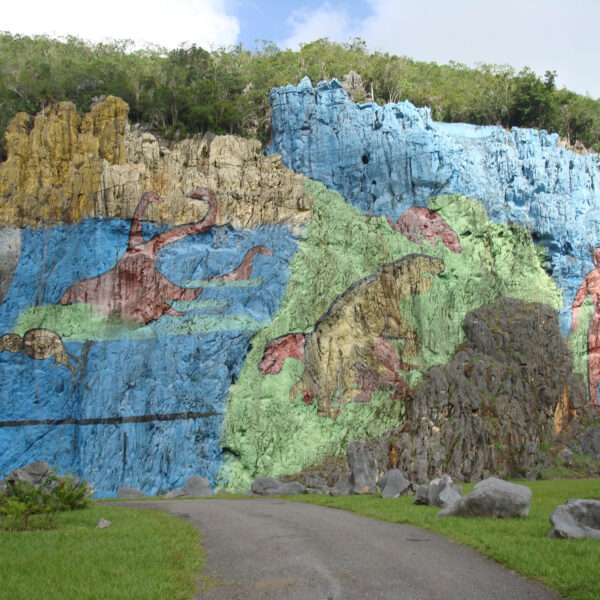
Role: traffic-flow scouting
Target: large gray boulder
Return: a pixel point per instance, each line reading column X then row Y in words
column 492, row 497
column 197, row 486
column 265, row 486
column 34, row 473
column 393, row 484
column 128, row 493
column 576, row 519
column 363, row 468
column 342, row 488
column 293, row 487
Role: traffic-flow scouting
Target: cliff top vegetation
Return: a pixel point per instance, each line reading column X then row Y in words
column 189, row 91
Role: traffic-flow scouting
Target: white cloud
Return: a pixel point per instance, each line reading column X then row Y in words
column 541, row 34
column 203, row 22
column 326, row 21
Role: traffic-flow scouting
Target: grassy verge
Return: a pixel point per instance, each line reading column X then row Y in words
column 142, row 555
column 568, row 566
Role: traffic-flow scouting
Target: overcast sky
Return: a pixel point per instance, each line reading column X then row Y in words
column 558, row 35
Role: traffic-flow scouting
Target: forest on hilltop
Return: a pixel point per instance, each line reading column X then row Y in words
column 189, row 91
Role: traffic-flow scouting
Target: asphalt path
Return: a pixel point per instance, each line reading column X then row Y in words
column 271, row 549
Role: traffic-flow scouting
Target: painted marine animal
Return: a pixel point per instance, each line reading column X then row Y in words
column 419, row 221
column 39, row 343
column 134, row 288
column 349, row 352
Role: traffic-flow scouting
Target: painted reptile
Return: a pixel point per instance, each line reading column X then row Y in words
column 134, row 288
column 349, row 353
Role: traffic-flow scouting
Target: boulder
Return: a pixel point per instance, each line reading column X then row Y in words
column 393, row 484
column 492, row 497
column 363, row 468
column 127, row 493
column 293, row 487
column 422, row 495
column 438, row 486
column 223, row 492
column 265, row 486
column 576, row 519
column 103, row 524
column 176, row 493
column 34, row 473
column 197, row 486
column 449, row 495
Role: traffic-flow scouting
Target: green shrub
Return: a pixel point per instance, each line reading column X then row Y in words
column 24, row 506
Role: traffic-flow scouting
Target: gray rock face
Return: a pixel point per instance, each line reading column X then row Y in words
column 393, row 484
column 197, row 486
column 127, row 493
column 576, row 519
column 497, row 401
column 265, row 486
column 363, row 468
column 103, row 524
column 422, row 496
column 34, row 473
column 590, row 442
column 342, row 488
column 492, row 497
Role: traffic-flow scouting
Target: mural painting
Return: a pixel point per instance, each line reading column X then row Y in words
column 134, row 288
column 350, row 346
column 591, row 287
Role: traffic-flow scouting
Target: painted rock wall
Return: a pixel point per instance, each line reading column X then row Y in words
column 387, row 159
column 127, row 384
column 258, row 326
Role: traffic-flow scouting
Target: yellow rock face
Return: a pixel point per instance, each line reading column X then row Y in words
column 67, row 168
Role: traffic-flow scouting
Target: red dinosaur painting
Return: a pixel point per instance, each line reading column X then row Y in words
column 418, row 221
column 134, row 288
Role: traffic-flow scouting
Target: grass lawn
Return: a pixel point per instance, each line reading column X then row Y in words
column 571, row 567
column 142, row 555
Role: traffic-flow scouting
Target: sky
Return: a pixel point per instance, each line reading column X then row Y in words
column 558, row 35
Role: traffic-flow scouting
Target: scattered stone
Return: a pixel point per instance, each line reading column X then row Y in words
column 576, row 519
column 393, row 484
column 103, row 524
column 294, row 487
column 320, row 490
column 176, row 493
column 197, row 486
column 265, row 486
column 449, row 495
column 223, row 492
column 34, row 473
column 363, row 468
column 127, row 493
column 422, row 496
column 492, row 497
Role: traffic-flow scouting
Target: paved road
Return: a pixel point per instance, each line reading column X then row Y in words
column 270, row 549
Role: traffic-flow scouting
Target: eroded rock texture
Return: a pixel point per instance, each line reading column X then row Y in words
column 64, row 168
column 499, row 404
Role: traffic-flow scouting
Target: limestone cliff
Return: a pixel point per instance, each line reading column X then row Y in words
column 66, row 168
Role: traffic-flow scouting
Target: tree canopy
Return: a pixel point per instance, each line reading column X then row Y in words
column 188, row 90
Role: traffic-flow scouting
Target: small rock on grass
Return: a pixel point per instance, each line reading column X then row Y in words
column 103, row 524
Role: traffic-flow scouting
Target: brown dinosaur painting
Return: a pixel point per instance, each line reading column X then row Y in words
column 349, row 352
column 134, row 288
